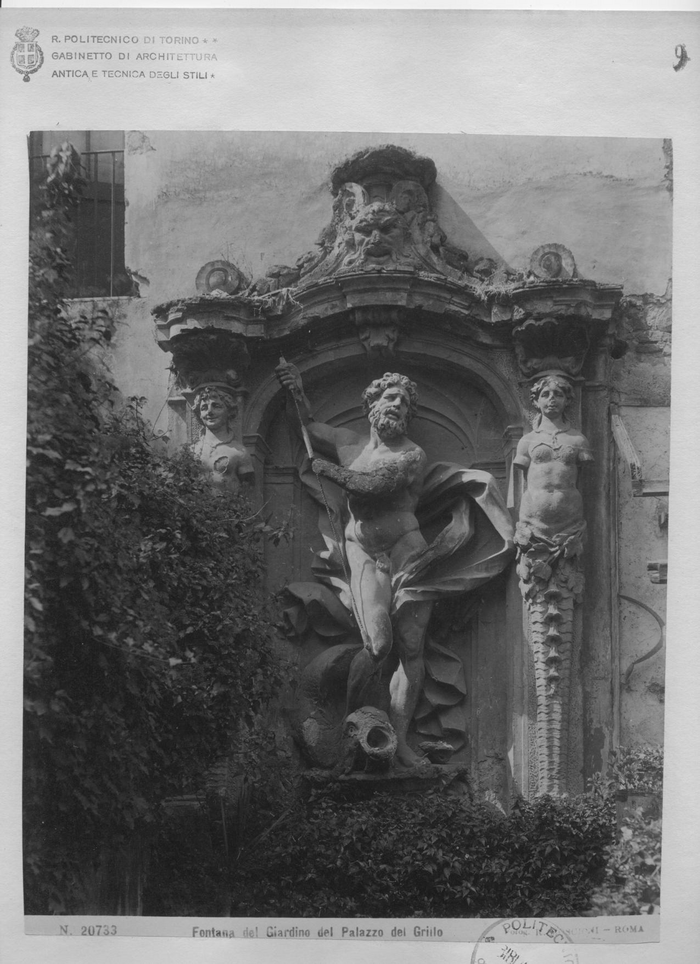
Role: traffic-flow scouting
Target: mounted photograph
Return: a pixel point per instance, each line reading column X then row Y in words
column 347, row 530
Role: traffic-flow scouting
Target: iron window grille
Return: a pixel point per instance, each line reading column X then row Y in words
column 98, row 243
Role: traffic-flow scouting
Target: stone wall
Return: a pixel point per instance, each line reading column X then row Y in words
column 261, row 198
column 642, row 389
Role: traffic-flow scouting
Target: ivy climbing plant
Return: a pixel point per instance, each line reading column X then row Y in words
column 148, row 639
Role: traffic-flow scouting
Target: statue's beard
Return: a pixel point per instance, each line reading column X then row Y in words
column 387, row 427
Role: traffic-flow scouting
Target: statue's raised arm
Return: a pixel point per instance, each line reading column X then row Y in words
column 325, row 439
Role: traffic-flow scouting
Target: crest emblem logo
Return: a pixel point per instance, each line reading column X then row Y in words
column 27, row 56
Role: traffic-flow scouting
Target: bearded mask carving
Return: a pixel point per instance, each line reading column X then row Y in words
column 377, row 236
column 381, row 226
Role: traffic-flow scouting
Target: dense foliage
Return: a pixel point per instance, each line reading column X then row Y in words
column 195, row 861
column 147, row 639
column 426, row 855
column 638, row 768
column 632, row 883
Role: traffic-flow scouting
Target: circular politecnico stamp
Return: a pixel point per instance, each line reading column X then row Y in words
column 512, row 939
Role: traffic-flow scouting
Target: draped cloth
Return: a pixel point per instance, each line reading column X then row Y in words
column 470, row 538
column 475, row 545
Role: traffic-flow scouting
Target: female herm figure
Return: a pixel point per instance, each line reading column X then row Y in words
column 550, row 537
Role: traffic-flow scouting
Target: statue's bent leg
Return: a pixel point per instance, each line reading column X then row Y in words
column 407, row 682
column 371, row 590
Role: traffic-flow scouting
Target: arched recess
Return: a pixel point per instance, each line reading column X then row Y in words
column 434, row 359
column 467, row 403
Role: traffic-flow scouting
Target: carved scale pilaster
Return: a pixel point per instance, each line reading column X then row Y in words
column 550, row 607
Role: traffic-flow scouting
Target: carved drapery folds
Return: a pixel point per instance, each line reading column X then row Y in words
column 473, row 548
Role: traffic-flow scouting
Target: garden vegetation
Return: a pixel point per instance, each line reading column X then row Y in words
column 149, row 645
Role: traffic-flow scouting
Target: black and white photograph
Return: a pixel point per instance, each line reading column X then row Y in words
column 348, row 517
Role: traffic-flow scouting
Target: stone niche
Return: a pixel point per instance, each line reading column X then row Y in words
column 384, row 290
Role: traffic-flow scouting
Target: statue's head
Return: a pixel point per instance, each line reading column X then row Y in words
column 553, row 383
column 378, row 233
column 382, row 403
column 214, row 405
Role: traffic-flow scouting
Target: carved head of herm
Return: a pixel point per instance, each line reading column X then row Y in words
column 214, row 404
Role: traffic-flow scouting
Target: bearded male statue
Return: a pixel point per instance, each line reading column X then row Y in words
column 382, row 474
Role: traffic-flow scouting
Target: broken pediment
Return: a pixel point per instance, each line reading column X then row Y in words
column 384, row 266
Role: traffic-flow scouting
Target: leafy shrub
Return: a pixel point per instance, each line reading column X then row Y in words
column 195, row 855
column 426, row 855
column 632, row 882
column 633, row 877
column 147, row 637
column 187, row 873
column 639, row 768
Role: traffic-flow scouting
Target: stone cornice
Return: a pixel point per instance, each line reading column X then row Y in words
column 285, row 312
column 591, row 299
column 489, row 316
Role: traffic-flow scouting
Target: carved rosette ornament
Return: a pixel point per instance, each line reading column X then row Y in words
column 549, row 538
column 219, row 276
column 553, row 262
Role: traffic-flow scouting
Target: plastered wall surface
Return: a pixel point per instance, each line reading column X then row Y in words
column 642, row 538
column 262, row 199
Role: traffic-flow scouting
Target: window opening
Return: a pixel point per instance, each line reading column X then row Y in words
column 98, row 244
